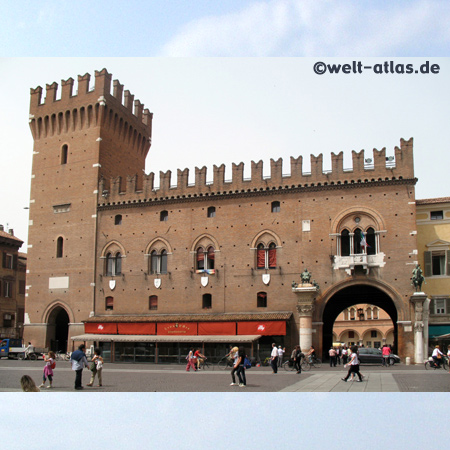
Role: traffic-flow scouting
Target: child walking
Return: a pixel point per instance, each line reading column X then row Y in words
column 48, row 369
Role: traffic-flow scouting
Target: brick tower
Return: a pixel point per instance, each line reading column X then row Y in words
column 78, row 139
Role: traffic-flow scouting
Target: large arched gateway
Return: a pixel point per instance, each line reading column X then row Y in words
column 351, row 295
column 58, row 329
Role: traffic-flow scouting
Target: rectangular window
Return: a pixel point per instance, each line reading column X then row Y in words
column 351, row 334
column 109, row 303
column 153, row 302
column 436, row 263
column 439, row 306
column 373, row 333
column 7, row 261
column 7, row 289
column 377, row 344
column 436, row 215
column 8, row 320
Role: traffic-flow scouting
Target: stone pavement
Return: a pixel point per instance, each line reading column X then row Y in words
column 174, row 378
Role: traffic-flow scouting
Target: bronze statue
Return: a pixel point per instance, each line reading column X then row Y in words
column 306, row 276
column 417, row 278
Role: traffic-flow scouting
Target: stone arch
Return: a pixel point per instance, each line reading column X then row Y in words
column 205, row 240
column 58, row 315
column 266, row 237
column 371, row 214
column 113, row 247
column 343, row 333
column 154, row 245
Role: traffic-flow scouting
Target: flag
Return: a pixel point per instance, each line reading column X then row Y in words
column 364, row 243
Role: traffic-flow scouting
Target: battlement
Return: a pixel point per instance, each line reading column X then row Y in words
column 88, row 107
column 365, row 169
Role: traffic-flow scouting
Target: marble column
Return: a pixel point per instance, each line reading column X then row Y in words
column 305, row 309
column 418, row 299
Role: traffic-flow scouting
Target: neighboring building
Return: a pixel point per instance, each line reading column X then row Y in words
column 365, row 325
column 433, row 240
column 12, row 285
column 145, row 271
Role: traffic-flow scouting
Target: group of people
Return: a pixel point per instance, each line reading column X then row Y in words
column 437, row 356
column 194, row 359
column 79, row 362
column 238, row 356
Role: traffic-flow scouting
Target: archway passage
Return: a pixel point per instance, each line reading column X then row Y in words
column 353, row 295
column 58, row 329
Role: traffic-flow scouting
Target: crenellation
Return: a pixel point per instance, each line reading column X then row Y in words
column 83, row 84
column 117, row 91
column 50, row 92
column 128, row 100
column 138, row 109
column 361, row 173
column 67, row 89
column 276, row 170
column 102, row 82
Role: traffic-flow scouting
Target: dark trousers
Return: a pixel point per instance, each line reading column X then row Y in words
column 332, row 361
column 241, row 375
column 298, row 364
column 78, row 374
column 338, row 359
column 274, row 364
column 233, row 371
column 354, row 369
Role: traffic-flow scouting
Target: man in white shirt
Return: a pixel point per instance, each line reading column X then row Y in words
column 274, row 358
column 280, row 352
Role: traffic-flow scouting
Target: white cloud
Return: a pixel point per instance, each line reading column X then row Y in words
column 312, row 28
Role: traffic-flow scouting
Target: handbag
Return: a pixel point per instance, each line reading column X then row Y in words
column 93, row 367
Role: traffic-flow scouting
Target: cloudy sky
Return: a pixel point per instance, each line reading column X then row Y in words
column 209, row 111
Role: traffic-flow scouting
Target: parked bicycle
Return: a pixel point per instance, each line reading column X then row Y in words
column 289, row 365
column 60, row 356
column 430, row 364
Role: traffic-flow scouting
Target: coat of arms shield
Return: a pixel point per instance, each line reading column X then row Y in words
column 157, row 282
column 266, row 278
column 205, row 281
column 112, row 284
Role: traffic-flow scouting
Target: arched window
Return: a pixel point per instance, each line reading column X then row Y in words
column 59, row 247
column 158, row 262
column 212, row 211
column 163, row 216
column 113, row 264
column 153, row 302
column 109, row 303
column 266, row 258
column 205, row 260
column 375, row 313
column 64, row 154
column 371, row 242
column 275, row 207
column 352, row 313
column 345, row 243
column 207, row 301
column 118, row 219
column 357, row 241
column 261, row 299
column 368, row 313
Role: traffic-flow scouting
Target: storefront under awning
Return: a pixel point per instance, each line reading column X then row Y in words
column 148, row 338
column 438, row 331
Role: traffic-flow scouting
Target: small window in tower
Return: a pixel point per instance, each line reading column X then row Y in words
column 64, row 154
column 275, row 207
column 436, row 215
column 261, row 300
column 207, row 301
column 164, row 216
column 153, row 302
column 212, row 211
column 109, row 303
column 59, row 247
column 118, row 219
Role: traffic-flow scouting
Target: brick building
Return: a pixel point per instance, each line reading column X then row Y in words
column 147, row 267
column 12, row 285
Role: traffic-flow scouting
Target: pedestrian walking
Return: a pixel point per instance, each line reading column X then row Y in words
column 79, row 362
column 96, row 368
column 386, row 352
column 280, row 352
column 28, row 385
column 344, row 355
column 338, row 355
column 191, row 360
column 298, row 359
column 234, row 353
column 354, row 365
column 274, row 358
column 332, row 354
column 241, row 368
column 48, row 369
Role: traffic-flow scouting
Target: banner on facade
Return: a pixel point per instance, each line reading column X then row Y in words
column 264, row 328
column 177, row 328
column 217, row 328
column 137, row 328
column 100, row 328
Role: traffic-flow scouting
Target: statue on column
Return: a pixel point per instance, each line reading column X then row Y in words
column 417, row 278
column 305, row 276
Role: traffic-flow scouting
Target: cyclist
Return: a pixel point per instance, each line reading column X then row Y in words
column 311, row 355
column 437, row 356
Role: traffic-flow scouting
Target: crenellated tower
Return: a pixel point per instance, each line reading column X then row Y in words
column 79, row 139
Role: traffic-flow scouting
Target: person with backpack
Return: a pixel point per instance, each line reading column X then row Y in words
column 50, row 364
column 240, row 365
column 79, row 362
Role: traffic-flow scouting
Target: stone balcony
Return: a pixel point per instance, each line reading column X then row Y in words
column 348, row 263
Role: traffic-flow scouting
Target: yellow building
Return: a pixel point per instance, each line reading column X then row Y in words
column 433, row 240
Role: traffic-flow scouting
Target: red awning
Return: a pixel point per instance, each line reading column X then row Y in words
column 267, row 328
column 100, row 328
column 177, row 328
column 137, row 328
column 216, row 328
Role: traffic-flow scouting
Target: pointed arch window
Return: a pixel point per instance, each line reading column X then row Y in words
column 59, row 247
column 345, row 243
column 205, row 260
column 266, row 257
column 113, row 264
column 158, row 262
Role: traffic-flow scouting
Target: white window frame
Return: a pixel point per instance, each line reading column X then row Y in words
column 441, row 309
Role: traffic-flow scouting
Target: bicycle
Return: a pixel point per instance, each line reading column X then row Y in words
column 430, row 364
column 31, row 356
column 60, row 356
column 289, row 365
column 309, row 363
column 204, row 364
column 225, row 362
